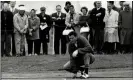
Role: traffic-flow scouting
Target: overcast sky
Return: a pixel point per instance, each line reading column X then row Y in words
column 50, row 5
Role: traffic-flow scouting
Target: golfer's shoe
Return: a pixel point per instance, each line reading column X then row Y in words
column 85, row 76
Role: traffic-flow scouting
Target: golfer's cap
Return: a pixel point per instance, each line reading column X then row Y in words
column 21, row 7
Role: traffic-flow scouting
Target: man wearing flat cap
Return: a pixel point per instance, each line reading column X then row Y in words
column 20, row 28
column 45, row 23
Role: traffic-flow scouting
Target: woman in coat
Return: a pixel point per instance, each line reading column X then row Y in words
column 111, row 28
column 33, row 33
column 72, row 20
column 84, row 21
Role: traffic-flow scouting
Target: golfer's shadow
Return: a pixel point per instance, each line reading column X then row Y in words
column 95, row 77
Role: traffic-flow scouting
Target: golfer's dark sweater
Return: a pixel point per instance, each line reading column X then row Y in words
column 83, row 46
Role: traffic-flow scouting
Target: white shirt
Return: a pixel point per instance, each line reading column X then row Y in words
column 98, row 8
column 12, row 9
column 111, row 19
column 59, row 13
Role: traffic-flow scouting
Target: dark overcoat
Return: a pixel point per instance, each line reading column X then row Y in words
column 44, row 34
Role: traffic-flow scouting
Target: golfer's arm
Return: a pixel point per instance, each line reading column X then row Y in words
column 87, row 49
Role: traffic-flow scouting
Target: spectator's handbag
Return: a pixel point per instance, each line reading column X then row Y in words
column 85, row 29
column 67, row 30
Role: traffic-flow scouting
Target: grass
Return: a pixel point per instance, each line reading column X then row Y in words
column 45, row 63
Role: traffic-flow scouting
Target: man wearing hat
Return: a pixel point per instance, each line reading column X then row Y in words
column 126, row 28
column 45, row 23
column 20, row 28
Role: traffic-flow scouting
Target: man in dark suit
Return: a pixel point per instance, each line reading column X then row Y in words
column 14, row 10
column 45, row 24
column 6, row 30
column 59, row 20
column 97, row 16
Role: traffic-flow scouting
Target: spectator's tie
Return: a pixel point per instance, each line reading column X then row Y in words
column 58, row 14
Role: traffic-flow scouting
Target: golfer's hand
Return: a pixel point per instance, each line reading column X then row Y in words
column 75, row 53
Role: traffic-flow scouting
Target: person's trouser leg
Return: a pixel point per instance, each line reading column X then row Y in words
column 17, row 37
column 91, row 37
column 63, row 44
column 2, row 44
column 56, row 41
column 13, row 45
column 45, row 47
column 87, row 58
column 8, row 44
column 22, row 47
column 118, row 46
column 36, row 46
column 30, row 46
column 39, row 46
column 105, row 47
column 101, row 39
column 95, row 39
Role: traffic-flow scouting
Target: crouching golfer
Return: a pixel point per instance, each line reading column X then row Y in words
column 80, row 55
